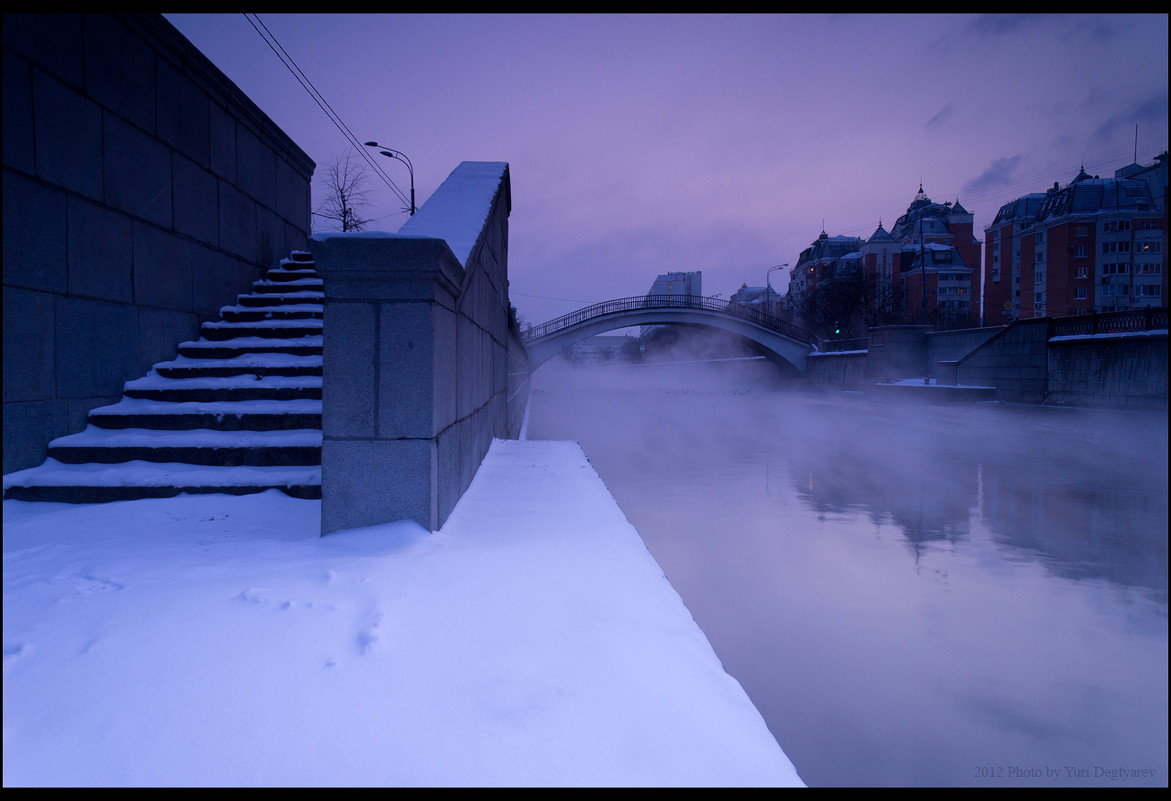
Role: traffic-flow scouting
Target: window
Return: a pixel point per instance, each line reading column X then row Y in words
column 1079, row 251
column 1081, row 229
column 1039, row 277
column 1149, row 247
column 1148, row 269
column 1115, row 247
column 1113, row 226
column 1081, row 271
column 1081, row 293
column 1148, row 290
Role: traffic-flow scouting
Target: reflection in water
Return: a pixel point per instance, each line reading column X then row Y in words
column 910, row 594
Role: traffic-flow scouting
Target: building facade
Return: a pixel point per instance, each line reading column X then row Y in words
column 675, row 285
column 678, row 284
column 939, row 265
column 924, row 271
column 1094, row 245
column 821, row 294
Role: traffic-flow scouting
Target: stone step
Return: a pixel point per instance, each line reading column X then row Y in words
column 280, row 298
column 284, row 275
column 249, row 363
column 230, row 388
column 237, row 411
column 275, row 329
column 193, row 446
column 254, row 415
column 299, row 285
column 56, row 482
column 287, row 311
column 238, row 346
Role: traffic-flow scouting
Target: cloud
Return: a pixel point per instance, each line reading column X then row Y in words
column 994, row 26
column 1000, row 172
column 1149, row 112
column 943, row 116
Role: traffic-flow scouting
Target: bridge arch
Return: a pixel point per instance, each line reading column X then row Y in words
column 775, row 336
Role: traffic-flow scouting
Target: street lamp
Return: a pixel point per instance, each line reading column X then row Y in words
column 767, row 288
column 398, row 154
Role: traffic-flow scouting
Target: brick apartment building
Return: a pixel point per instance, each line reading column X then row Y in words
column 1094, row 245
column 939, row 266
column 924, row 270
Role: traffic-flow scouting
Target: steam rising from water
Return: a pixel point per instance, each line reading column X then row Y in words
column 905, row 590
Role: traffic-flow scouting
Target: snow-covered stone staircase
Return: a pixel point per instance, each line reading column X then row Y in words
column 237, row 411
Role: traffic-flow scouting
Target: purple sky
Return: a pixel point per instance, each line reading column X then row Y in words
column 643, row 144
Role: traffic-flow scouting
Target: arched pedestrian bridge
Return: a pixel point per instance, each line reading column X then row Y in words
column 775, row 336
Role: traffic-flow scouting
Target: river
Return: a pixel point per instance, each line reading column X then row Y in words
column 911, row 594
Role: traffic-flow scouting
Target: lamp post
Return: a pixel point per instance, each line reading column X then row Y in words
column 398, row 154
column 768, row 288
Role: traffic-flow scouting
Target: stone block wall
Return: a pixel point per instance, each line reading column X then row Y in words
column 1015, row 361
column 1126, row 371
column 422, row 361
column 946, row 347
column 142, row 191
column 896, row 351
column 844, row 370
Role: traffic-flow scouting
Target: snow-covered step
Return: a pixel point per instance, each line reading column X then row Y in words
column 280, row 298
column 287, row 311
column 246, row 363
column 57, row 482
column 303, row 284
column 291, row 273
column 283, row 329
column 153, row 386
column 195, row 446
column 237, row 346
column 248, row 415
column 238, row 410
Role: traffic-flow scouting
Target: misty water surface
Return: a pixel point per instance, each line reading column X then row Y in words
column 910, row 594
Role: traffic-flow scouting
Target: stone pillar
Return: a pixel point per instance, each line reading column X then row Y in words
column 387, row 387
column 416, row 355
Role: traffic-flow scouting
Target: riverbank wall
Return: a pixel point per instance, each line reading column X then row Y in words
column 1028, row 361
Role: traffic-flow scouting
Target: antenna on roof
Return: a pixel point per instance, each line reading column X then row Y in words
column 1136, row 143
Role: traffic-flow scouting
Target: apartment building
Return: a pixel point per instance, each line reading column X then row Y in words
column 925, row 270
column 1093, row 245
column 939, row 264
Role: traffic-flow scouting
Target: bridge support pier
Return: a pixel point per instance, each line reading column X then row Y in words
column 416, row 351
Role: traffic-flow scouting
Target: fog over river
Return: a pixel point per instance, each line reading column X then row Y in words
column 911, row 594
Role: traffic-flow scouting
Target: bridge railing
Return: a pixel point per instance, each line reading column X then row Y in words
column 641, row 302
column 1151, row 318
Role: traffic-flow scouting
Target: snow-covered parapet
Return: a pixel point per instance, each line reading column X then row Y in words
column 459, row 211
column 416, row 354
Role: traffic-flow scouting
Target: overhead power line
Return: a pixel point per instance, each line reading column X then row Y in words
column 322, row 103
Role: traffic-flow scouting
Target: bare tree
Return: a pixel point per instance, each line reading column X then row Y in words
column 346, row 193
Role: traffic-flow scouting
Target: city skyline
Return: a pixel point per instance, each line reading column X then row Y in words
column 644, row 144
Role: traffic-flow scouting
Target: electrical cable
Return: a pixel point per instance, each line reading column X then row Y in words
column 322, row 103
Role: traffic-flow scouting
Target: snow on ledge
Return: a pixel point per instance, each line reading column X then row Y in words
column 456, row 213
column 460, row 206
